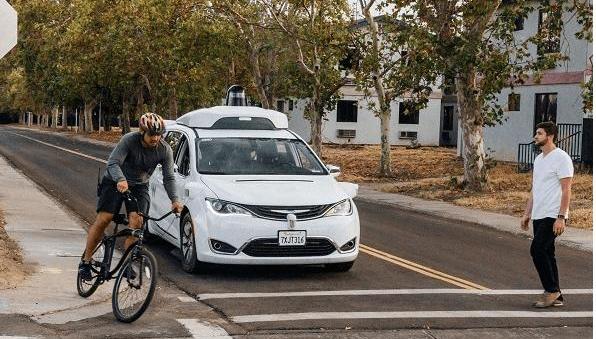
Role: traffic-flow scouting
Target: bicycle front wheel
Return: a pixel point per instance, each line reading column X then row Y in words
column 134, row 286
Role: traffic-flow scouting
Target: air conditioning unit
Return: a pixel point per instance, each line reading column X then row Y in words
column 346, row 133
column 408, row 135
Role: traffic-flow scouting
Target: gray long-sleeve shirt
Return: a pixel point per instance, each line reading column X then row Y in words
column 134, row 163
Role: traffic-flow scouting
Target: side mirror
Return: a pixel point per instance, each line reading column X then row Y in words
column 335, row 171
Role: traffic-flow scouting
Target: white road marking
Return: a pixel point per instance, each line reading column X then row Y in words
column 207, row 296
column 62, row 148
column 186, row 299
column 405, row 315
column 203, row 329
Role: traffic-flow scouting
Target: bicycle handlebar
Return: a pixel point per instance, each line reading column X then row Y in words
column 128, row 196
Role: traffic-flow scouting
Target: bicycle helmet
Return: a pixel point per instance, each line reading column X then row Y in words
column 152, row 123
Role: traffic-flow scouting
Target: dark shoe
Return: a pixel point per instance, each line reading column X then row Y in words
column 129, row 273
column 85, row 271
column 559, row 302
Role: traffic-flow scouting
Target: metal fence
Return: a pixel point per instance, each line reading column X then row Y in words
column 569, row 140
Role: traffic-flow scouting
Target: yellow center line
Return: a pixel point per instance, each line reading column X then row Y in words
column 427, row 271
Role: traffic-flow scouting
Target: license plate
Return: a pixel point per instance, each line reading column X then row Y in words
column 291, row 238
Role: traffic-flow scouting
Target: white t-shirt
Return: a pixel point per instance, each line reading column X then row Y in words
column 546, row 185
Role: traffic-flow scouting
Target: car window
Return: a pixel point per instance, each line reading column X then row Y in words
column 183, row 157
column 173, row 139
column 256, row 156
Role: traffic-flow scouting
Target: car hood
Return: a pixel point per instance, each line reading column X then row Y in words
column 276, row 190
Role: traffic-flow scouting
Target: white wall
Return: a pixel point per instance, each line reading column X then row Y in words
column 368, row 128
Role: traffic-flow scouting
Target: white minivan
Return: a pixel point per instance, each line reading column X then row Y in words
column 254, row 194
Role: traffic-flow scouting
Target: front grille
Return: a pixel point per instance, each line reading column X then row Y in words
column 270, row 248
column 281, row 212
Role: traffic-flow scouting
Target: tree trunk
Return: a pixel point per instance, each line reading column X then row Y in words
column 88, row 114
column 125, row 117
column 316, row 121
column 385, row 165
column 55, row 114
column 470, row 109
column 316, row 140
column 64, row 118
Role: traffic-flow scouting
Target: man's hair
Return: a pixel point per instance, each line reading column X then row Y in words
column 550, row 128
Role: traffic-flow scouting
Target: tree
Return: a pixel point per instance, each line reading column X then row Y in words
column 318, row 33
column 473, row 42
column 385, row 68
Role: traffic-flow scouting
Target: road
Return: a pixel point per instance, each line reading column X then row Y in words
column 414, row 271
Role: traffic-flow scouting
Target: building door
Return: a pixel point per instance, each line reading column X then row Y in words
column 545, row 108
column 448, row 125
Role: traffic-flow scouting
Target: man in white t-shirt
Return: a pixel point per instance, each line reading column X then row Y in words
column 548, row 207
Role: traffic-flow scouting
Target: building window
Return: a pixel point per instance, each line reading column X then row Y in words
column 290, row 105
column 281, row 104
column 519, row 23
column 513, row 102
column 545, row 108
column 408, row 114
column 350, row 61
column 347, row 111
column 550, row 21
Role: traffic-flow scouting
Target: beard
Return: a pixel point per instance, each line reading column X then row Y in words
column 540, row 143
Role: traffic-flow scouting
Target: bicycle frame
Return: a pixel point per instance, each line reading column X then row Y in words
column 109, row 241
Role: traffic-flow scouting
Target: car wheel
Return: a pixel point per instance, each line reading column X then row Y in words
column 190, row 263
column 339, row 267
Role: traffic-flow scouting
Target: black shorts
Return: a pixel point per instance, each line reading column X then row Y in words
column 110, row 200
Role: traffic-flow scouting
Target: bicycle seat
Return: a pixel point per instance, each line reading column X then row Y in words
column 120, row 219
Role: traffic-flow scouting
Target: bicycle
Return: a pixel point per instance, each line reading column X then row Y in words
column 136, row 265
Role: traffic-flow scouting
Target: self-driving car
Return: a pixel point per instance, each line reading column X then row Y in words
column 254, row 193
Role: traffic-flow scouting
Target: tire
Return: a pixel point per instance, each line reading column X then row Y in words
column 188, row 248
column 339, row 267
column 87, row 287
column 131, row 297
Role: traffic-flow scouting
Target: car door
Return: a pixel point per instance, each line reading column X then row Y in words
column 160, row 202
column 182, row 174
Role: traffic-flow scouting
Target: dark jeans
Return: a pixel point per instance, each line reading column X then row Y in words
column 543, row 254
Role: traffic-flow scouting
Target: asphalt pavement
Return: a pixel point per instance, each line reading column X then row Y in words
column 426, row 269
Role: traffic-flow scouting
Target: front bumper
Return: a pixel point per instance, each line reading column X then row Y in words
column 239, row 231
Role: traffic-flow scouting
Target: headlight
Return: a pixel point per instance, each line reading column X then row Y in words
column 225, row 207
column 341, row 208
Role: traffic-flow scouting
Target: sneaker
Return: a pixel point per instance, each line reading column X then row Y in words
column 85, row 271
column 548, row 300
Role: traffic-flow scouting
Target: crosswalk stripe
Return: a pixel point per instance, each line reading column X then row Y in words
column 207, row 296
column 405, row 315
column 202, row 329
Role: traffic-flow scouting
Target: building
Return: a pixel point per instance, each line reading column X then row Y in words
column 558, row 97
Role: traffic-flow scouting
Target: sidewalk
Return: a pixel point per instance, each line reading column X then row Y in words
column 52, row 240
column 572, row 237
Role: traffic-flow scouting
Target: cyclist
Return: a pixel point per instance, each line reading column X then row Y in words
column 129, row 167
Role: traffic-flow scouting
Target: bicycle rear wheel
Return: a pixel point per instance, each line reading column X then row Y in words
column 87, row 287
column 133, row 291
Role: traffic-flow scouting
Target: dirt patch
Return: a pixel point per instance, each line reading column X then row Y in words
column 436, row 173
column 12, row 269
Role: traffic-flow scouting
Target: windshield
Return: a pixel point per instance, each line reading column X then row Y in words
column 253, row 156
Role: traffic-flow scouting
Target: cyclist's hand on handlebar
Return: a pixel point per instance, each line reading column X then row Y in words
column 122, row 186
column 177, row 207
